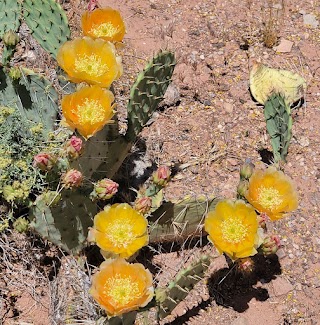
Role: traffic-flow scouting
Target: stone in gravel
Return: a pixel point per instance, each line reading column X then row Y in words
column 172, row 95
column 228, row 107
column 310, row 20
column 285, row 46
column 280, row 287
column 240, row 321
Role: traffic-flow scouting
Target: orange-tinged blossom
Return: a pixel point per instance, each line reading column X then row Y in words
column 272, row 192
column 233, row 228
column 89, row 60
column 120, row 287
column 105, row 23
column 88, row 109
column 119, row 229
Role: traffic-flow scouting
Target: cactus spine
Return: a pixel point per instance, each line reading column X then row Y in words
column 279, row 125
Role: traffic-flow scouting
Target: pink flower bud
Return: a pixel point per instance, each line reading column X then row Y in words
column 43, row 161
column 74, row 147
column 162, row 175
column 262, row 220
column 72, row 178
column 143, row 204
column 245, row 265
column 270, row 245
column 92, row 5
column 104, row 189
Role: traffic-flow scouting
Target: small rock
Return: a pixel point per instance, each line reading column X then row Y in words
column 172, row 95
column 228, row 107
column 303, row 141
column 285, row 46
column 310, row 20
column 281, row 287
column 240, row 321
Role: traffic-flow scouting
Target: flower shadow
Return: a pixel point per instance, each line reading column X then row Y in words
column 233, row 289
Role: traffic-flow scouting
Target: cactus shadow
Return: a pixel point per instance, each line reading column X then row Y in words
column 233, row 289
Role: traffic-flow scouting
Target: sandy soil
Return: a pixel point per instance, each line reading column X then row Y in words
column 211, row 124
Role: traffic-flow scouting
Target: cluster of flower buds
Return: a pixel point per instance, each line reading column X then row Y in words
column 143, row 204
column 104, row 189
column 72, row 178
column 74, row 147
column 161, row 176
column 43, row 161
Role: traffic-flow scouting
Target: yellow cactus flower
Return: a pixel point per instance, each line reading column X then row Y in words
column 272, row 192
column 119, row 229
column 89, row 60
column 105, row 23
column 120, row 287
column 233, row 228
column 88, row 110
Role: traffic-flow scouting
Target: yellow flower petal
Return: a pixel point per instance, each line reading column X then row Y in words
column 120, row 229
column 120, row 287
column 233, row 228
column 272, row 192
column 89, row 60
column 103, row 23
column 88, row 110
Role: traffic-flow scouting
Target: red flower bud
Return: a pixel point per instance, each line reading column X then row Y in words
column 270, row 245
column 43, row 161
column 143, row 204
column 162, row 175
column 104, row 189
column 72, row 178
column 74, row 147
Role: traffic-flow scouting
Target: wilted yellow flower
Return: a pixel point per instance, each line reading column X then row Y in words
column 119, row 229
column 105, row 23
column 233, row 228
column 88, row 110
column 89, row 60
column 120, row 287
column 272, row 192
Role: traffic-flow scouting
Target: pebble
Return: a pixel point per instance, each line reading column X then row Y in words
column 310, row 20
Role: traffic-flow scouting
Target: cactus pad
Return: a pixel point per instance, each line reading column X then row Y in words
column 180, row 287
column 148, row 91
column 33, row 96
column 47, row 22
column 178, row 221
column 9, row 15
column 279, row 125
column 66, row 222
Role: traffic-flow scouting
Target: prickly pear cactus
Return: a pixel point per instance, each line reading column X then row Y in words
column 178, row 221
column 148, row 91
column 109, row 149
column 64, row 220
column 47, row 22
column 9, row 15
column 279, row 125
column 180, row 287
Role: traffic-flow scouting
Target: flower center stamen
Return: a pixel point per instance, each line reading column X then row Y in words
column 121, row 235
column 122, row 289
column 233, row 230
column 90, row 64
column 104, row 30
column 269, row 197
column 90, row 112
